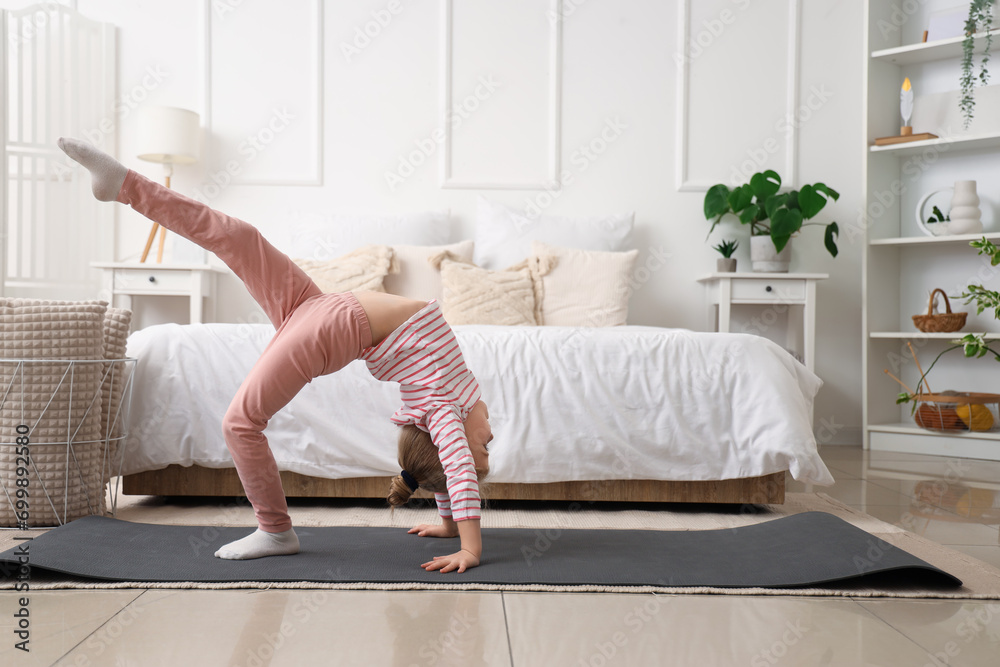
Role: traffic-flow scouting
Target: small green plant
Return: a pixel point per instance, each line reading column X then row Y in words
column 938, row 216
column 770, row 213
column 727, row 247
column 982, row 297
column 973, row 345
column 980, row 19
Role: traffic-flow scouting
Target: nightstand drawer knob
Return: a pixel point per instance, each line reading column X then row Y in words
column 152, row 279
column 766, row 289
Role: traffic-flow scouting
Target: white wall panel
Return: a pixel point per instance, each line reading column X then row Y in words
column 500, row 93
column 738, row 90
column 266, row 93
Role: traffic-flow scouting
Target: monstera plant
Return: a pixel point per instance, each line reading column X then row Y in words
column 770, row 212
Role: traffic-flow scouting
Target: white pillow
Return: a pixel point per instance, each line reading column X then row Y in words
column 584, row 288
column 504, row 235
column 325, row 237
column 417, row 279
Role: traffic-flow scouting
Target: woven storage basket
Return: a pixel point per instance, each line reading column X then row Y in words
column 961, row 411
column 939, row 322
column 60, row 443
column 65, row 390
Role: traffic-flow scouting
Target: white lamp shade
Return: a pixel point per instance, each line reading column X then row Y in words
column 168, row 135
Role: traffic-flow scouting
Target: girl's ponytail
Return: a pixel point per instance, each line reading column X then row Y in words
column 418, row 456
column 399, row 491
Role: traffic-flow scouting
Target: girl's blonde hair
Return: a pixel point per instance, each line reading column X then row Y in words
column 418, row 455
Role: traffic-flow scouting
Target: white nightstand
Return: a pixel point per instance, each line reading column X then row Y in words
column 125, row 280
column 791, row 289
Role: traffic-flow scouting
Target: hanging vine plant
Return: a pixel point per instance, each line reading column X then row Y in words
column 980, row 19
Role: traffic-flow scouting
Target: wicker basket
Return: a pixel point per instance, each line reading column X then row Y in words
column 63, row 425
column 961, row 411
column 940, row 322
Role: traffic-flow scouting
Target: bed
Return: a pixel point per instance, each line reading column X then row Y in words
column 629, row 413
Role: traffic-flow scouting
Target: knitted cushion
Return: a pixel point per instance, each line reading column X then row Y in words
column 476, row 296
column 361, row 269
column 60, row 403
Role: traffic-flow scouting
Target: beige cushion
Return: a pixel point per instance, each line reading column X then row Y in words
column 584, row 288
column 476, row 296
column 51, row 402
column 416, row 278
column 362, row 269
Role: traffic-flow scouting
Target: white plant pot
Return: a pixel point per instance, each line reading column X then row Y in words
column 765, row 259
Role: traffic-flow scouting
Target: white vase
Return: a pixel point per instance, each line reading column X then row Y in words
column 765, row 259
column 965, row 213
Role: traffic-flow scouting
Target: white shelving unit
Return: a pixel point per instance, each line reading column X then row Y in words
column 901, row 265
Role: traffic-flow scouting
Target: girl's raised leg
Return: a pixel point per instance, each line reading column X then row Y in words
column 275, row 282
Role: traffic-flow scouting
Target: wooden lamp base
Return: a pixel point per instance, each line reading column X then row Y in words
column 152, row 235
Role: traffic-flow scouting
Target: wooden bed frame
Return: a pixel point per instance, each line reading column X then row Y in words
column 175, row 480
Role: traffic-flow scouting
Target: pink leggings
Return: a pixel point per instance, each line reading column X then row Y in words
column 316, row 333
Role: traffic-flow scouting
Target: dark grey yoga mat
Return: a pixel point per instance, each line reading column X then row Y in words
column 805, row 549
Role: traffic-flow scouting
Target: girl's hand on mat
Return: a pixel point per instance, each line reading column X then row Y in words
column 434, row 530
column 460, row 560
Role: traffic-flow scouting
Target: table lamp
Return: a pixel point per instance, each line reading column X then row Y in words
column 170, row 136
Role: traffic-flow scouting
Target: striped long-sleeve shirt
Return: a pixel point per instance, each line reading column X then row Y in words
column 438, row 391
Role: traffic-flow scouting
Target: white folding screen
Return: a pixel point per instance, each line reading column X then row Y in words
column 57, row 77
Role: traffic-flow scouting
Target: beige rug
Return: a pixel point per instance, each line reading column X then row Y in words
column 981, row 581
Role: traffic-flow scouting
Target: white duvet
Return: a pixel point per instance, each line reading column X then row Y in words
column 565, row 404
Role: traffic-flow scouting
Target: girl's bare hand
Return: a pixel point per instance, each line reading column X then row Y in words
column 460, row 560
column 433, row 530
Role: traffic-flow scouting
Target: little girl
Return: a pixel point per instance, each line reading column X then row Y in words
column 445, row 425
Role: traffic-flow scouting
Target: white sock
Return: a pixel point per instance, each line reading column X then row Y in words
column 107, row 174
column 259, row 544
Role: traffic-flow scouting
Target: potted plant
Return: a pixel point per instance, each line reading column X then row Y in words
column 726, row 263
column 939, row 218
column 773, row 216
column 980, row 19
column 973, row 414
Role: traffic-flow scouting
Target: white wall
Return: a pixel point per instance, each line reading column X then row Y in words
column 619, row 63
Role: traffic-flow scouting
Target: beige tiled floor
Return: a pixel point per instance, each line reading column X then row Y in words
column 410, row 628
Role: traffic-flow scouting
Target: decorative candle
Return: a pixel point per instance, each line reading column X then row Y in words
column 906, row 106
